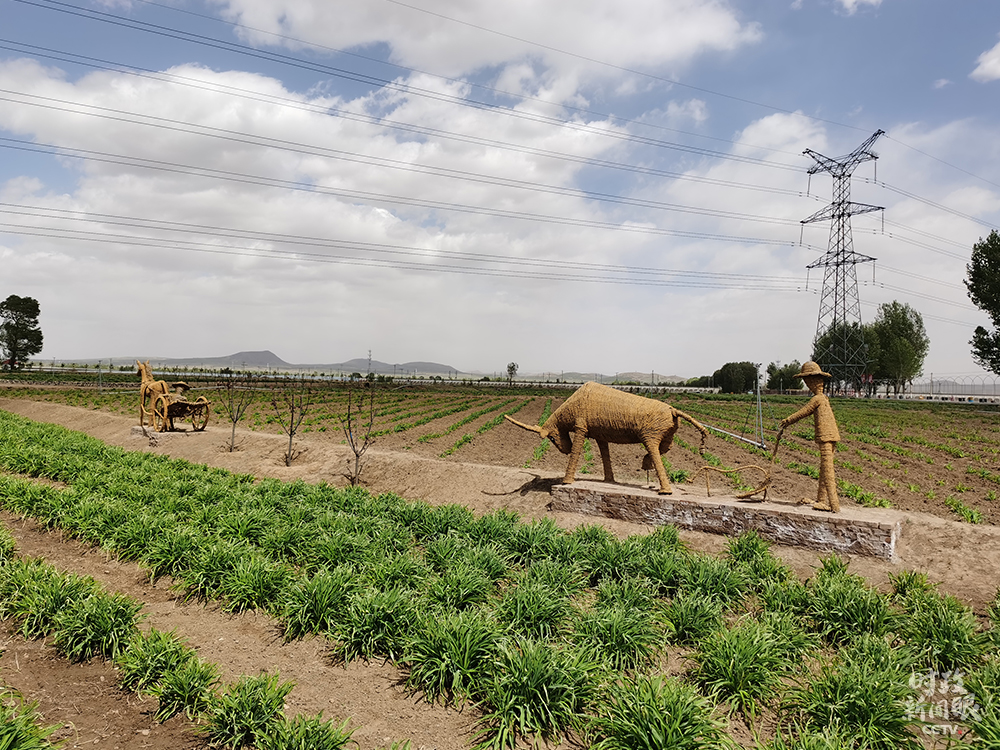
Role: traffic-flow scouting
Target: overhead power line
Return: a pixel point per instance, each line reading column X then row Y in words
column 292, row 247
column 383, row 83
column 366, row 195
column 181, row 126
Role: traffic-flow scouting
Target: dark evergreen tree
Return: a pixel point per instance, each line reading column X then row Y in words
column 20, row 335
column 983, row 284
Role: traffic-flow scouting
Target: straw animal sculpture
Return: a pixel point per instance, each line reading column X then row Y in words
column 608, row 415
column 149, row 389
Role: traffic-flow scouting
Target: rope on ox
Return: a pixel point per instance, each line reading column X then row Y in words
column 764, row 485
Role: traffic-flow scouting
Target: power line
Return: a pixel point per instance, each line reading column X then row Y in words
column 484, row 87
column 645, row 74
column 222, row 232
column 551, row 269
column 300, row 256
column 284, row 101
column 164, row 123
column 343, row 114
column 200, row 39
column 370, row 196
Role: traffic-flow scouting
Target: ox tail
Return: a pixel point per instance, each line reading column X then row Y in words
column 528, row 427
column 696, row 423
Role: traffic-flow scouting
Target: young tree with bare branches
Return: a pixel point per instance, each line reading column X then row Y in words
column 291, row 400
column 358, row 423
column 238, row 392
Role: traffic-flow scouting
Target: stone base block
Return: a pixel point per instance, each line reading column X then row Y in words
column 148, row 433
column 857, row 531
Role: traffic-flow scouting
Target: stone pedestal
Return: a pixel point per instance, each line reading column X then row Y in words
column 856, row 531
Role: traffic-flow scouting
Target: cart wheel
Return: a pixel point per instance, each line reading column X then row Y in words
column 161, row 420
column 199, row 417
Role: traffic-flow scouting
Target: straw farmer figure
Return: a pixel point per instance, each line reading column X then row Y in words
column 827, row 436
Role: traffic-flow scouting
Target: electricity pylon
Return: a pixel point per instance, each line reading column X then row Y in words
column 838, row 327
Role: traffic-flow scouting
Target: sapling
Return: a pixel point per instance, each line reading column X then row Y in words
column 291, row 400
column 238, row 391
column 359, row 424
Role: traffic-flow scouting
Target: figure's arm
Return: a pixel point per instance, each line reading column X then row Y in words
column 805, row 411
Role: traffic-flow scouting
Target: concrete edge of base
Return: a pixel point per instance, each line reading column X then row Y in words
column 854, row 531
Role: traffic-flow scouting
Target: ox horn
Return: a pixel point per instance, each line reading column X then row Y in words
column 530, row 428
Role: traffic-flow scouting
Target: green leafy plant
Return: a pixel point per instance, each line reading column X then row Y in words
column 535, row 689
column 618, row 636
column 19, row 724
column 98, row 625
column 645, row 713
column 692, row 617
column 377, row 623
column 188, row 688
column 941, row 632
column 254, row 582
column 532, row 609
column 306, row 733
column 841, row 606
column 449, row 656
column 963, row 511
column 315, row 604
column 742, row 665
column 865, row 694
column 247, row 711
column 148, row 657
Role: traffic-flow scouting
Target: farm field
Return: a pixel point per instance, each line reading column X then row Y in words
column 942, row 459
column 625, row 601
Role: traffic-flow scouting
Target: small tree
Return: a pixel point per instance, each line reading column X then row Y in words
column 983, row 284
column 511, row 372
column 736, row 377
column 20, row 335
column 901, row 345
column 782, row 377
column 358, row 424
column 291, row 400
column 238, row 392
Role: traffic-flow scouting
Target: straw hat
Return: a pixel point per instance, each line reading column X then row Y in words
column 811, row 368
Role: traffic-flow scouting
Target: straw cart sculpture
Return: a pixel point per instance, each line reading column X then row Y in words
column 163, row 406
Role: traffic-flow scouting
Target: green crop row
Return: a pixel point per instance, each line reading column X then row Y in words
column 85, row 622
column 465, row 420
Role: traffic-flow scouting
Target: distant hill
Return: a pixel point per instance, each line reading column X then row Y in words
column 268, row 360
column 260, row 360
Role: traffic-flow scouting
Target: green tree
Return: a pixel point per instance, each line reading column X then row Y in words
column 20, row 335
column 836, row 345
column 983, row 284
column 900, row 345
column 736, row 377
column 511, row 372
column 782, row 377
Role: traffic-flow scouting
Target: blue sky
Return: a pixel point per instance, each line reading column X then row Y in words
column 627, row 196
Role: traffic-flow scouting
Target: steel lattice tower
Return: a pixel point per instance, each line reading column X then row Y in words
column 844, row 351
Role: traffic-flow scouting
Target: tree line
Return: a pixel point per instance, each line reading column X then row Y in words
column 894, row 346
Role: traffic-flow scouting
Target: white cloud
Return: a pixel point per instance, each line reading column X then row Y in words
column 988, row 67
column 851, row 6
column 940, row 83
column 642, row 34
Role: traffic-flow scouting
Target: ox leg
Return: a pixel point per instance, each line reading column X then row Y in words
column 579, row 438
column 653, row 449
column 609, row 474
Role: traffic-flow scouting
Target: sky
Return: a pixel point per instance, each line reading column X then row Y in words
column 590, row 186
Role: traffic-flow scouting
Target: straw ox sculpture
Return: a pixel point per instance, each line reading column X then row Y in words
column 608, row 415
